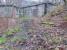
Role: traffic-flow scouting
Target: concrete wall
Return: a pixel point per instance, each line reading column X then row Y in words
column 6, row 23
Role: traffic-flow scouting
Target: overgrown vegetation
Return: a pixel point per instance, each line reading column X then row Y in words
column 41, row 35
column 19, row 38
column 2, row 40
column 47, row 23
column 12, row 31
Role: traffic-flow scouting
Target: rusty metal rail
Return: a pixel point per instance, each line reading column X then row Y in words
column 3, row 5
column 19, row 8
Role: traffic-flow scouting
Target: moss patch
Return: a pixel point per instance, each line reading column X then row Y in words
column 2, row 40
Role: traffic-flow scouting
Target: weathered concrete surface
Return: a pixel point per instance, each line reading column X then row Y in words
column 3, row 24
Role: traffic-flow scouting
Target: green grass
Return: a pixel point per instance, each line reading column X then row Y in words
column 13, row 30
column 2, row 40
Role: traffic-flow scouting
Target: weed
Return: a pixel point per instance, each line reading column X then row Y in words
column 2, row 40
